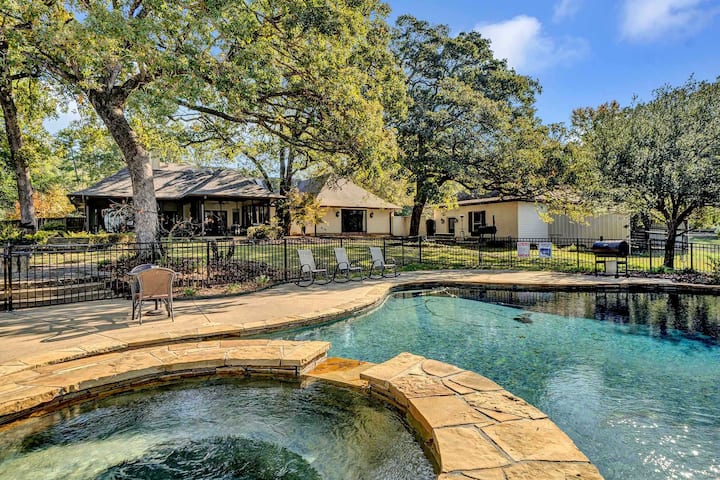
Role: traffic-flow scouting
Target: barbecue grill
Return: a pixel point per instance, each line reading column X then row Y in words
column 607, row 251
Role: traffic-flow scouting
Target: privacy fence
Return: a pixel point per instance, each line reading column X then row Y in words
column 53, row 274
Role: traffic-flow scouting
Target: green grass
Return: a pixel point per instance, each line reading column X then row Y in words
column 704, row 257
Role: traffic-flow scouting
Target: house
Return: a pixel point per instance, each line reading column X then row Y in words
column 226, row 201
column 494, row 216
column 349, row 209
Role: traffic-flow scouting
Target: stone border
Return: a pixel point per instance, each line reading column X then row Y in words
column 472, row 428
column 47, row 388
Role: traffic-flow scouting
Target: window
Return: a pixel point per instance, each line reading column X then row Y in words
column 255, row 215
column 477, row 220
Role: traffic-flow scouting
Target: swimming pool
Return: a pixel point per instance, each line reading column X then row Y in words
column 632, row 378
column 229, row 429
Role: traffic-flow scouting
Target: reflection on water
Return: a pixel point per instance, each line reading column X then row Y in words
column 632, row 378
column 692, row 316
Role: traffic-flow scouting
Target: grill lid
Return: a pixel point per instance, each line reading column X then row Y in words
column 611, row 247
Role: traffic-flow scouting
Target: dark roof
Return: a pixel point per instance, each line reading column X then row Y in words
column 340, row 192
column 174, row 182
column 473, row 197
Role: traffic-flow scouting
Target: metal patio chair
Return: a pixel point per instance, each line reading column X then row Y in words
column 309, row 270
column 380, row 265
column 345, row 267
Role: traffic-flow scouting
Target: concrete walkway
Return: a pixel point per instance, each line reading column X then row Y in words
column 44, row 335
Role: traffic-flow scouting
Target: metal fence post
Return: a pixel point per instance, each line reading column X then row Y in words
column 692, row 263
column 577, row 250
column 8, row 280
column 650, row 249
column 207, row 262
column 402, row 250
column 479, row 252
column 285, row 259
column 419, row 248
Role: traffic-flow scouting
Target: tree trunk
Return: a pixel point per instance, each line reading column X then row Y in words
column 286, row 177
column 14, row 136
column 139, row 167
column 669, row 261
column 418, row 206
column 415, row 219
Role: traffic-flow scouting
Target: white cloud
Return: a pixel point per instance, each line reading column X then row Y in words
column 652, row 19
column 565, row 9
column 521, row 41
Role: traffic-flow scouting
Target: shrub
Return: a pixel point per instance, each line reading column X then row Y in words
column 261, row 232
column 190, row 291
column 53, row 225
column 9, row 232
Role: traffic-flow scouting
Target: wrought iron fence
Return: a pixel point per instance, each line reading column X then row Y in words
column 53, row 274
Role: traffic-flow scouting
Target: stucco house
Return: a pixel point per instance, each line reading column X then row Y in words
column 221, row 201
column 349, row 209
column 490, row 216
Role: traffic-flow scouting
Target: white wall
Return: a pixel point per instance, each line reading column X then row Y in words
column 505, row 213
column 610, row 226
column 530, row 225
column 379, row 224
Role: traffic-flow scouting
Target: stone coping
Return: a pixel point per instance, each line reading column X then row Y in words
column 473, row 428
column 94, row 331
column 470, row 427
column 49, row 387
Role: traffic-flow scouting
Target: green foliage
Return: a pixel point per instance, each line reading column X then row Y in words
column 53, row 225
column 9, row 232
column 471, row 120
column 305, row 209
column 262, row 280
column 264, row 232
column 661, row 158
column 190, row 291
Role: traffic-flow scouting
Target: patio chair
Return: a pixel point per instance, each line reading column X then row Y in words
column 153, row 283
column 309, row 270
column 345, row 267
column 380, row 265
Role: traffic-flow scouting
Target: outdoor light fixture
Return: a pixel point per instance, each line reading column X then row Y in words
column 337, row 214
column 372, row 214
column 442, row 220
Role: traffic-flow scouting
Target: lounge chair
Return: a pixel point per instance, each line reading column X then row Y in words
column 309, row 270
column 380, row 265
column 154, row 283
column 345, row 267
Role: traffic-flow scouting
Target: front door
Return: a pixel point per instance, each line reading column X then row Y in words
column 430, row 227
column 353, row 221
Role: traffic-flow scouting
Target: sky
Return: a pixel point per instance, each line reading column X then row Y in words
column 588, row 52
column 582, row 52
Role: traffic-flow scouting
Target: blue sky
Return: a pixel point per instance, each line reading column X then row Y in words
column 587, row 52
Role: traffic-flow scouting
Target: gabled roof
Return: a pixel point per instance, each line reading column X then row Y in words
column 174, row 182
column 332, row 191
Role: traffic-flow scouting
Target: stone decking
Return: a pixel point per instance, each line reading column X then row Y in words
column 472, row 427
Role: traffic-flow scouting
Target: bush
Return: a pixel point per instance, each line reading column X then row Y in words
column 261, row 232
column 53, row 225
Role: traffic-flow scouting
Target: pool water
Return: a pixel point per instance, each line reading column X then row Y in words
column 230, row 429
column 632, row 378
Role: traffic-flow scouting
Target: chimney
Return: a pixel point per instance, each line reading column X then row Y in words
column 154, row 162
